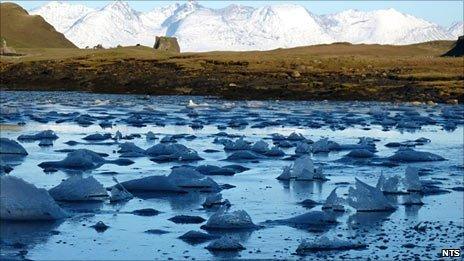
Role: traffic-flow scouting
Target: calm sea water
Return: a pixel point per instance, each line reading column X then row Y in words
column 257, row 191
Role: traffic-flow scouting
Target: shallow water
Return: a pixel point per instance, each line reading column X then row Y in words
column 257, row 191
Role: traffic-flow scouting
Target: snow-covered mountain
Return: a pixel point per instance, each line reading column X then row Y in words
column 456, row 29
column 61, row 15
column 236, row 27
column 382, row 27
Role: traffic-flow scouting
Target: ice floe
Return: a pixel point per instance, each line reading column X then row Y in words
column 325, row 244
column 410, row 155
column 8, row 146
column 334, row 202
column 224, row 219
column 225, row 243
column 20, row 200
column 83, row 159
column 309, row 219
column 46, row 134
column 77, row 188
column 365, row 198
column 197, row 237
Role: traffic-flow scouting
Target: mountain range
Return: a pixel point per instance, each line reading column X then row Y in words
column 237, row 27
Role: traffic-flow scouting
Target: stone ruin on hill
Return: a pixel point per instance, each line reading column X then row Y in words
column 165, row 43
column 5, row 50
column 458, row 48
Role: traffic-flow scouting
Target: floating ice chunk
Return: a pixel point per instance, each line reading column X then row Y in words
column 150, row 136
column 45, row 143
column 8, row 146
column 260, row 147
column 365, row 198
column 82, row 159
column 310, row 219
column 20, row 200
column 326, row 244
column 46, row 134
column 411, row 179
column 129, row 147
column 277, row 137
column 223, row 219
column 119, row 192
column 303, row 168
column 308, row 203
column 334, row 202
column 191, row 104
column 174, row 151
column 184, row 219
column 78, row 159
column 302, row 148
column 390, row 185
column 146, row 212
column 100, row 226
column 239, row 144
column 77, row 188
column 410, row 155
column 215, row 170
column 196, row 237
column 117, row 135
column 324, row 145
column 152, row 184
column 286, row 173
column 360, row 153
column 214, row 200
column 275, row 152
column 97, row 137
column 244, row 155
column 296, row 137
column 225, row 243
column 185, row 177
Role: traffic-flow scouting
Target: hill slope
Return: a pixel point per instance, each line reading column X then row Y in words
column 30, row 31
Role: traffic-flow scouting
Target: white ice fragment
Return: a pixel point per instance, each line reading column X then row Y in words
column 77, row 188
column 410, row 155
column 334, row 202
column 260, row 147
column 326, row 244
column 225, row 243
column 150, row 136
column 309, row 219
column 119, row 192
column 388, row 185
column 152, row 184
column 8, row 146
column 365, row 198
column 224, row 219
column 185, row 177
column 286, row 173
column 411, row 179
column 20, row 200
column 324, row 145
column 302, row 148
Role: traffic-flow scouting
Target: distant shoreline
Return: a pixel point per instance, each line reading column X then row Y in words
column 329, row 72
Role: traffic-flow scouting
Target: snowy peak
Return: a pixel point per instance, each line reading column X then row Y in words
column 456, row 29
column 237, row 27
column 386, row 26
column 61, row 15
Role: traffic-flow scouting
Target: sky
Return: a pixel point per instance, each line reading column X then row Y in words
column 441, row 12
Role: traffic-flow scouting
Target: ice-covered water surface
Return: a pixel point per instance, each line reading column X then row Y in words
column 206, row 133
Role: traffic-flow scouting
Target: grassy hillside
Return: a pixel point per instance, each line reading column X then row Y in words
column 30, row 31
column 338, row 71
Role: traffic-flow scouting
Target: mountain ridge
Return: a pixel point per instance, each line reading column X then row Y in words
column 241, row 28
